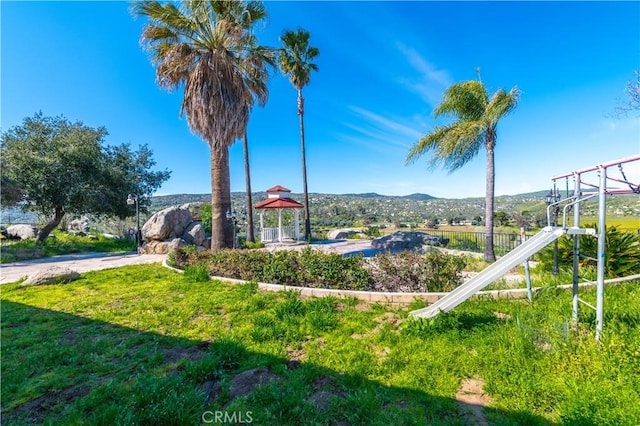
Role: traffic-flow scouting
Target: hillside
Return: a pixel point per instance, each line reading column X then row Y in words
column 339, row 210
column 331, row 210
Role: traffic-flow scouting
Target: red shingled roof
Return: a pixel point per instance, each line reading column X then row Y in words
column 279, row 203
column 278, row 188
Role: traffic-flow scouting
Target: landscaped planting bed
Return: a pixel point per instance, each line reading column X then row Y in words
column 402, row 272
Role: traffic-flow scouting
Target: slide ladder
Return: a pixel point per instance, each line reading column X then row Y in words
column 498, row 269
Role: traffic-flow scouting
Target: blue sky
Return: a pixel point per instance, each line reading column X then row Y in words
column 383, row 68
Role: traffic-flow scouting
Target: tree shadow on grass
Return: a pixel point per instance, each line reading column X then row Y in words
column 59, row 368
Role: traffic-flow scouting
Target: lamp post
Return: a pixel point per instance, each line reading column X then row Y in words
column 134, row 200
column 233, row 216
column 552, row 198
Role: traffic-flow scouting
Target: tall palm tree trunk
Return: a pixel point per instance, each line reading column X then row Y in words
column 221, row 227
column 489, row 255
column 307, row 220
column 247, row 179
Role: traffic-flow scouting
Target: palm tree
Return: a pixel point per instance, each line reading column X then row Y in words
column 209, row 48
column 475, row 120
column 296, row 62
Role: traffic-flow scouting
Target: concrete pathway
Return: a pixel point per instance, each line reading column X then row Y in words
column 80, row 262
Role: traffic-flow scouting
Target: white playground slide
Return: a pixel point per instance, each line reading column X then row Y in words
column 498, row 269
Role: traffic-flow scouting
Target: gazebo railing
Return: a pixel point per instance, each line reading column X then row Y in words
column 270, row 235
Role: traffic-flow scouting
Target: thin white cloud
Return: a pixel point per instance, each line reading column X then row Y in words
column 385, row 134
column 431, row 81
column 386, row 124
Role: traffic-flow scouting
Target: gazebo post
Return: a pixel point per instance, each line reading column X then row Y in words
column 279, row 225
column 296, row 213
column 261, row 226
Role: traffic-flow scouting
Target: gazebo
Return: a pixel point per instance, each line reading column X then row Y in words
column 278, row 198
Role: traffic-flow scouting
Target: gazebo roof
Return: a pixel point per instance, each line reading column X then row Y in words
column 278, row 188
column 279, row 203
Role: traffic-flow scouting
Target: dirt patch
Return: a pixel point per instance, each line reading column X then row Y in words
column 211, row 390
column 296, row 354
column 321, row 399
column 325, row 390
column 387, row 318
column 470, row 401
column 247, row 381
column 38, row 409
column 193, row 353
column 382, row 352
column 502, row 316
column 362, row 307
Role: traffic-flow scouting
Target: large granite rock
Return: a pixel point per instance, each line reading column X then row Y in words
column 171, row 228
column 194, row 234
column 52, row 275
column 167, row 224
column 79, row 226
column 162, row 247
column 409, row 241
column 340, row 234
column 21, row 232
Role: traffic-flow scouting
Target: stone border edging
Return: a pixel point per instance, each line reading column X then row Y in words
column 398, row 298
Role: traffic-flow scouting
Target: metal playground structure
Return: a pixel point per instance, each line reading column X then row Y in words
column 597, row 181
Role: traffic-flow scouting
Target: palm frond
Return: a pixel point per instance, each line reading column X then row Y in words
column 465, row 101
column 296, row 57
column 501, row 104
column 209, row 48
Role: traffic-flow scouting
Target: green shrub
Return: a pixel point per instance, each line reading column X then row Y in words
column 412, row 272
column 333, row 270
column 196, row 273
column 409, row 272
column 252, row 245
column 373, row 232
column 282, row 268
column 622, row 253
column 205, row 217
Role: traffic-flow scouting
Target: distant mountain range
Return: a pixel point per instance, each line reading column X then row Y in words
column 416, row 196
column 177, row 199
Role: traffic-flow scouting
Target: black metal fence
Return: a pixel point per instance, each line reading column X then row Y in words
column 503, row 243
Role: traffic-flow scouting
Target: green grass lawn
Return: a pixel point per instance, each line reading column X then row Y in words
column 61, row 243
column 145, row 345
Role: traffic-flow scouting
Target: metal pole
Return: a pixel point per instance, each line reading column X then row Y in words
column 235, row 239
column 556, row 210
column 527, row 273
column 138, row 233
column 602, row 222
column 576, row 250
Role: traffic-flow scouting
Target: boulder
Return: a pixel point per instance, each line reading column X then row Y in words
column 340, row 234
column 194, row 209
column 21, row 232
column 409, row 241
column 79, row 226
column 194, row 234
column 167, row 224
column 52, row 275
column 162, row 247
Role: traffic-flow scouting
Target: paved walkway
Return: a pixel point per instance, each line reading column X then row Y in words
column 81, row 262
